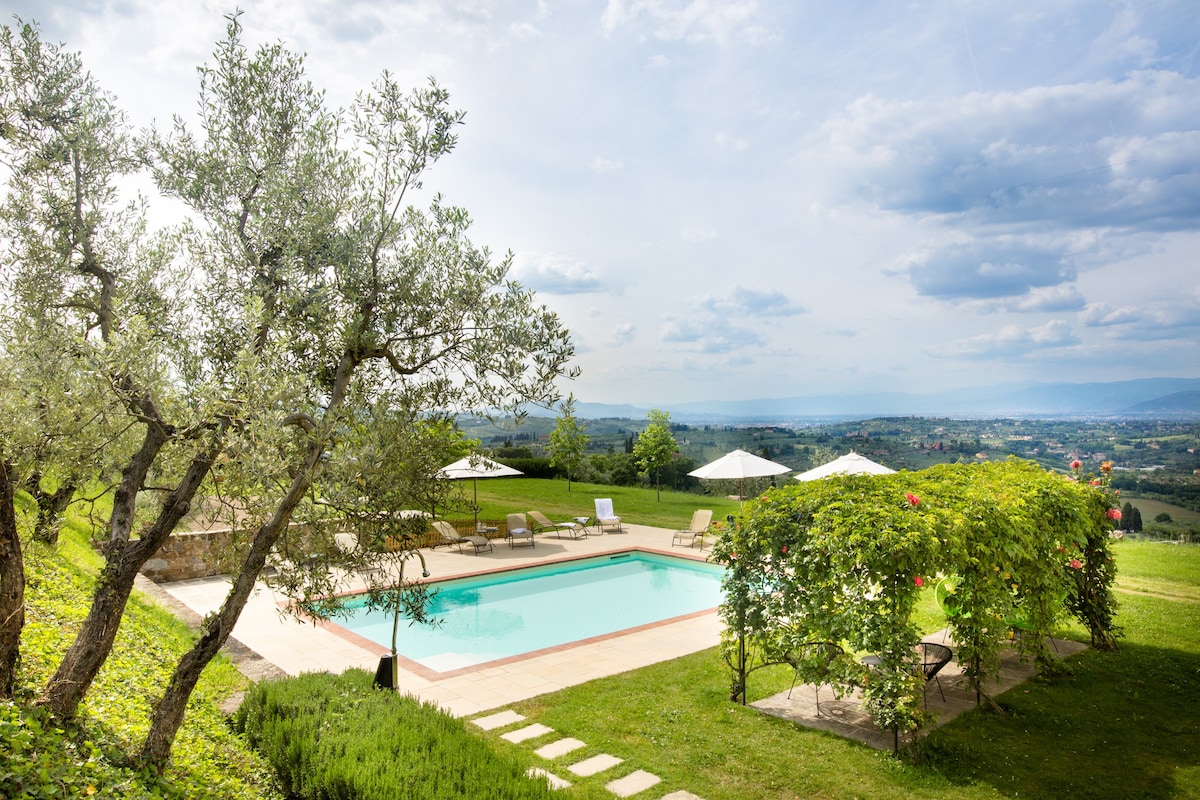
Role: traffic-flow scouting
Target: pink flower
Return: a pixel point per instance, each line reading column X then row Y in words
column 918, row 580
column 913, row 501
column 783, row 549
column 1076, row 563
column 1095, row 481
column 1076, row 464
column 1113, row 513
column 1106, row 466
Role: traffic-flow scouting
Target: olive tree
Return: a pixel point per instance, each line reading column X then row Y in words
column 308, row 239
column 90, row 332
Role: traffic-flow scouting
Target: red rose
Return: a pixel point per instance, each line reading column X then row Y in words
column 919, row 581
column 1076, row 464
column 1113, row 513
column 912, row 499
column 1076, row 563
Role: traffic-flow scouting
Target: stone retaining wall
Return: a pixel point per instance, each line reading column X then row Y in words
column 196, row 554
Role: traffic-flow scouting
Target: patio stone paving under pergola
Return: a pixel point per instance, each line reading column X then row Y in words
column 846, row 717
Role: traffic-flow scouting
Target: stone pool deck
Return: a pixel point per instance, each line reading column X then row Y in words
column 277, row 641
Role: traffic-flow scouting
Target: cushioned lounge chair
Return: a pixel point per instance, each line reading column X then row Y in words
column 518, row 530
column 606, row 520
column 701, row 519
column 447, row 535
column 542, row 523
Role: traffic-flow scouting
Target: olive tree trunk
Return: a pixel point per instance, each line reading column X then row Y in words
column 124, row 557
column 12, row 586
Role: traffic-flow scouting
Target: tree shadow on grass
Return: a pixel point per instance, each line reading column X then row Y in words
column 1126, row 724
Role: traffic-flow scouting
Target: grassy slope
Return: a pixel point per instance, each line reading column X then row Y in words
column 1152, row 508
column 208, row 760
column 1124, row 725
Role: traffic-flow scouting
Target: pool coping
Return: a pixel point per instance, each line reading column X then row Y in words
column 432, row 675
column 295, row 647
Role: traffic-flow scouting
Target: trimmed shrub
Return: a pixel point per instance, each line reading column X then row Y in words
column 333, row 737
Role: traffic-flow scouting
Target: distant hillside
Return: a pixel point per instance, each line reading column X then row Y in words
column 1177, row 404
column 1145, row 397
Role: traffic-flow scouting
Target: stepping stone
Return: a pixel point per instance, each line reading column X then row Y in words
column 632, row 783
column 498, row 720
column 681, row 795
column 528, row 732
column 559, row 748
column 549, row 777
column 590, row 766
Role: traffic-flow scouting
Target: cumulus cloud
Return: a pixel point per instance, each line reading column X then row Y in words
column 742, row 302
column 1107, row 153
column 725, row 324
column 621, row 335
column 554, row 273
column 1174, row 319
column 987, row 268
column 1051, row 299
column 711, row 335
column 1102, row 315
column 1012, row 341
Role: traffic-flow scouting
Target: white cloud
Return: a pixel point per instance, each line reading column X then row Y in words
column 621, row 335
column 719, row 21
column 1011, row 341
column 601, row 165
column 554, row 273
column 724, row 140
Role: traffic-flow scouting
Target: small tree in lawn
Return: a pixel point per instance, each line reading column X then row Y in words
column 1127, row 517
column 656, row 446
column 568, row 442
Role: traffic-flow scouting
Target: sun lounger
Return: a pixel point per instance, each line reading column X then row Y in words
column 701, row 519
column 447, row 535
column 518, row 530
column 606, row 520
column 542, row 523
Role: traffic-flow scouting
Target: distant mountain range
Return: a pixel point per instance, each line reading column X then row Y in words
column 1148, row 397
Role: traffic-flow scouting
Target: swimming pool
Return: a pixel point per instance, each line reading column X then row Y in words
column 495, row 616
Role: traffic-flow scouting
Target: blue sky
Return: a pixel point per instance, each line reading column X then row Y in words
column 768, row 199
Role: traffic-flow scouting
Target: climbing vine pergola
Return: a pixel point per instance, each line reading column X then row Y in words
column 843, row 560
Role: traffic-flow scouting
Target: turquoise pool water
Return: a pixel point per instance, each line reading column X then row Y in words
column 509, row 613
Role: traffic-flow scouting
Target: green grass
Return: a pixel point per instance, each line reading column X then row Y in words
column 500, row 496
column 1150, row 509
column 89, row 757
column 1125, row 724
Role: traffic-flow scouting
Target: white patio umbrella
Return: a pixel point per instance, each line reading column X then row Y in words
column 476, row 467
column 850, row 464
column 739, row 465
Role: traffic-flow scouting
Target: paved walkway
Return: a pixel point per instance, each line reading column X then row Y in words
column 846, row 717
column 295, row 647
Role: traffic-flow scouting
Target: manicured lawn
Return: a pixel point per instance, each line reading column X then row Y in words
column 500, row 496
column 1125, row 724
